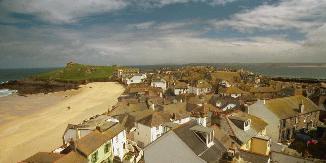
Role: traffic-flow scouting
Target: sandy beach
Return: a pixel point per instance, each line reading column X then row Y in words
column 37, row 122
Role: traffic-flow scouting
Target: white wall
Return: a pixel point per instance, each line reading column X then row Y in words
column 259, row 110
column 118, row 143
column 72, row 134
column 198, row 91
column 160, row 84
column 146, row 134
column 180, row 91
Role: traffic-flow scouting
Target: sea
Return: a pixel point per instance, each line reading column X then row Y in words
column 17, row 74
column 313, row 71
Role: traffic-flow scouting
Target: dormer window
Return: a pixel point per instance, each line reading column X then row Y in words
column 205, row 134
column 247, row 124
column 243, row 123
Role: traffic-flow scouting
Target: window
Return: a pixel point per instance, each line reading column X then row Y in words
column 107, row 147
column 94, row 157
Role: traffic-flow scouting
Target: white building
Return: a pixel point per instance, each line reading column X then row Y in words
column 180, row 88
column 159, row 83
column 200, row 87
column 154, row 126
column 102, row 123
column 138, row 78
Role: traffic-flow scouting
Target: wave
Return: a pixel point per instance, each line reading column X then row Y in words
column 6, row 92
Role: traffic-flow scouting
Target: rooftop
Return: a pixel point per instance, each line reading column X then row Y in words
column 289, row 106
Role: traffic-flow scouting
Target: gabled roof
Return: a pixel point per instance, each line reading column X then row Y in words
column 43, row 157
column 212, row 154
column 228, row 124
column 253, row 157
column 180, row 85
column 202, row 84
column 225, row 75
column 156, row 119
column 263, row 90
column 289, row 106
column 232, row 90
column 72, row 157
column 89, row 143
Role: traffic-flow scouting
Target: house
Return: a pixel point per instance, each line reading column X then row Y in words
column 159, row 83
column 232, row 91
column 248, row 131
column 137, row 78
column 150, row 128
column 101, row 145
column 180, row 88
column 224, row 102
column 285, row 116
column 102, row 127
column 121, row 72
column 188, row 143
column 200, row 87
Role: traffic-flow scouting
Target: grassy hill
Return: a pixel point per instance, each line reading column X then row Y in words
column 74, row 72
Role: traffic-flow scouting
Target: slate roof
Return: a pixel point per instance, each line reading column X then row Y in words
column 212, row 154
column 228, row 124
column 253, row 157
column 289, row 106
column 43, row 157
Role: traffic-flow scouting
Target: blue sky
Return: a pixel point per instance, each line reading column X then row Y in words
column 39, row 33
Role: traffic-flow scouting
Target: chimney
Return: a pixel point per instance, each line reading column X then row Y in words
column 301, row 107
column 77, row 134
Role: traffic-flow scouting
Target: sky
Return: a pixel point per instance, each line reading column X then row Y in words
column 50, row 33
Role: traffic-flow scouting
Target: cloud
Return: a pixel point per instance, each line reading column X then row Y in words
column 71, row 11
column 62, row 11
column 303, row 15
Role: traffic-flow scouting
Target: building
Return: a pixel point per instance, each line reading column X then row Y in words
column 98, row 128
column 232, row 91
column 159, row 83
column 189, row 143
column 180, row 88
column 135, row 79
column 150, row 128
column 248, row 131
column 285, row 116
column 200, row 87
column 121, row 72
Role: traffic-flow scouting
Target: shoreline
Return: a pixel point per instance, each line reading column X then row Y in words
column 27, row 134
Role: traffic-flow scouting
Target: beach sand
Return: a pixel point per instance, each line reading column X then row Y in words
column 37, row 122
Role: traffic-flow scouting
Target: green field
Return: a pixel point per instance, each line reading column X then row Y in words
column 74, row 72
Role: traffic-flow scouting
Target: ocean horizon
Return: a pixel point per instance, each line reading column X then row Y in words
column 311, row 71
